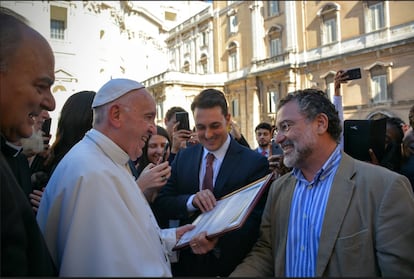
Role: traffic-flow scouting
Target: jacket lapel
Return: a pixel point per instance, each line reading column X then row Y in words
column 339, row 199
column 227, row 167
column 281, row 221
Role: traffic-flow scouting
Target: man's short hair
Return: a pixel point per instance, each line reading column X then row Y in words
column 264, row 125
column 11, row 36
column 210, row 98
column 171, row 112
column 313, row 102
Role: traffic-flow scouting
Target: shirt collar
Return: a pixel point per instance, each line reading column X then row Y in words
column 219, row 153
column 10, row 149
column 261, row 150
column 18, row 149
column 326, row 169
column 110, row 148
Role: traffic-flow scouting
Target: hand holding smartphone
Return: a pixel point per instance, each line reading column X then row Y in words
column 46, row 126
column 354, row 73
column 182, row 117
column 46, row 129
column 164, row 152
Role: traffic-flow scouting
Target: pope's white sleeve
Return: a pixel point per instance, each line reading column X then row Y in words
column 169, row 237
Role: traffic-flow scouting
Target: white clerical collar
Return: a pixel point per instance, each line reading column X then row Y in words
column 18, row 148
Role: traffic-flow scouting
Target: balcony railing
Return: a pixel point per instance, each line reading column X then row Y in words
column 186, row 78
column 272, row 62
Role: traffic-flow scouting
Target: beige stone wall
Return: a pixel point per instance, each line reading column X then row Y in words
column 307, row 68
column 401, row 12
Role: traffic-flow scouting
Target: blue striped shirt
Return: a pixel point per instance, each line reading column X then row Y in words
column 306, row 218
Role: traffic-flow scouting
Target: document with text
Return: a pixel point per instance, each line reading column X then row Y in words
column 230, row 212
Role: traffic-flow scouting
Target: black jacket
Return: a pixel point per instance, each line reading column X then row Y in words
column 23, row 249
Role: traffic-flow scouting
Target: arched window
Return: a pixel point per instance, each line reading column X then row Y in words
column 275, row 40
column 232, row 60
column 204, row 38
column 272, row 8
column 329, row 15
column 379, row 84
column 186, row 67
column 375, row 15
column 233, row 23
column 329, row 78
column 203, row 64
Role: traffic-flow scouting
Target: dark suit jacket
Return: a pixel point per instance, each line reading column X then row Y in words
column 240, row 167
column 23, row 249
column 19, row 166
column 368, row 229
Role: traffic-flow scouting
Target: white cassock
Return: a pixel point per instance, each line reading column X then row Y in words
column 95, row 219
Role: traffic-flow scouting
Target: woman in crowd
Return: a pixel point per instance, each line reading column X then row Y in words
column 153, row 157
column 74, row 121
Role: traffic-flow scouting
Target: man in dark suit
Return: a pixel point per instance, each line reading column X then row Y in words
column 332, row 216
column 184, row 196
column 26, row 75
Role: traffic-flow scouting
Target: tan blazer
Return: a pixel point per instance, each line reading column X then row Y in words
column 368, row 228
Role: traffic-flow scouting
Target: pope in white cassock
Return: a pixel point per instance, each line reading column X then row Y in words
column 95, row 219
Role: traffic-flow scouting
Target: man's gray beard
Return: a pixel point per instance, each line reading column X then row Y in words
column 34, row 143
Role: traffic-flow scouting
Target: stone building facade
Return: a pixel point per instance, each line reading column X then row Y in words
column 258, row 51
column 94, row 41
column 254, row 51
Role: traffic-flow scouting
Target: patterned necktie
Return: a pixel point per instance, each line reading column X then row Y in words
column 208, row 177
column 264, row 152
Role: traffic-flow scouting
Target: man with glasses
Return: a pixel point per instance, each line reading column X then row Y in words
column 332, row 216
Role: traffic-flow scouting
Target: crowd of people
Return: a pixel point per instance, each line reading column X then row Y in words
column 115, row 192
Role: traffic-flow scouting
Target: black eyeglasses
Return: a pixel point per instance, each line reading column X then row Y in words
column 285, row 126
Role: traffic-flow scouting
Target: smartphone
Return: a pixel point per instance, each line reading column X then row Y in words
column 164, row 152
column 182, row 117
column 354, row 73
column 46, row 126
column 361, row 135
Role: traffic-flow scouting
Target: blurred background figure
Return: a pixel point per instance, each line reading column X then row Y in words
column 36, row 146
column 394, row 130
column 264, row 135
column 74, row 121
column 407, row 162
column 236, row 134
column 170, row 121
column 393, row 139
column 276, row 161
column 179, row 138
column 154, row 164
column 270, row 149
column 153, row 149
column 407, row 149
